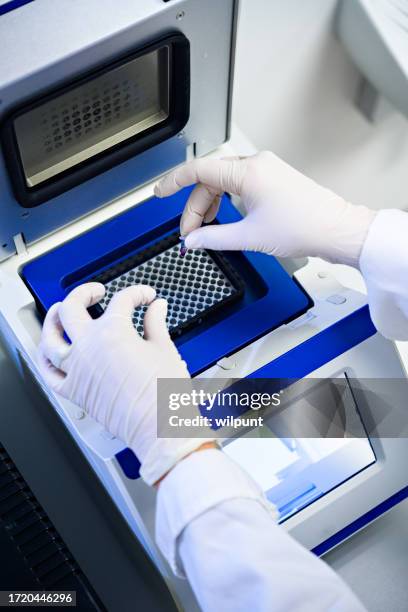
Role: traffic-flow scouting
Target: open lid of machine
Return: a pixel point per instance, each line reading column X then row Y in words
column 63, row 137
column 89, row 117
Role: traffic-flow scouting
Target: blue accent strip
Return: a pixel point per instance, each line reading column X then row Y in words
column 309, row 355
column 305, row 358
column 129, row 463
column 322, row 348
column 286, row 508
column 51, row 276
column 361, row 522
column 12, row 5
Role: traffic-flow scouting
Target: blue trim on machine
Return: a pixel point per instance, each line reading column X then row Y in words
column 278, row 298
column 12, row 5
column 322, row 348
column 361, row 522
column 129, row 463
column 300, row 361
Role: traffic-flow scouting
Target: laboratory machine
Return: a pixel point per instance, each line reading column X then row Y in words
column 97, row 100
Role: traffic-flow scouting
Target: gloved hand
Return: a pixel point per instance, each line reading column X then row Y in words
column 111, row 372
column 287, row 214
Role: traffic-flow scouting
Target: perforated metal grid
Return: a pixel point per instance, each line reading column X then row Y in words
column 93, row 117
column 87, row 113
column 192, row 285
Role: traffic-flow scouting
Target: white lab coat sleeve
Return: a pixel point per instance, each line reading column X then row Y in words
column 214, row 525
column 384, row 265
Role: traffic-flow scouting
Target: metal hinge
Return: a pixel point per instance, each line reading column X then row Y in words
column 20, row 244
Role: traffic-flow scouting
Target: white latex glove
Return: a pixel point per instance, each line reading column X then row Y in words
column 111, row 372
column 287, row 214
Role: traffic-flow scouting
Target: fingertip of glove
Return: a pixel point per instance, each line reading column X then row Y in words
column 157, row 190
column 91, row 292
column 95, row 287
column 186, row 225
column 148, row 293
column 162, row 303
column 99, row 291
column 53, row 309
column 192, row 241
column 161, row 300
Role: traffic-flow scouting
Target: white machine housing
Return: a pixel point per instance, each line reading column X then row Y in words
column 20, row 325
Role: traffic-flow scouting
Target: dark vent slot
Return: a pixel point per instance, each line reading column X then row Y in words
column 35, row 543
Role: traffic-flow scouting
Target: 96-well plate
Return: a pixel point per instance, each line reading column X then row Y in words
column 194, row 285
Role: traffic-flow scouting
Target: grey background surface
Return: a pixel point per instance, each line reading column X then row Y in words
column 374, row 562
column 295, row 91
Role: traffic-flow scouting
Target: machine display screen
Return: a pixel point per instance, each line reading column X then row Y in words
column 294, row 472
column 93, row 117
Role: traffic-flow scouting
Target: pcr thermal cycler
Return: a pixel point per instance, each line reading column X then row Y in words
column 97, row 100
